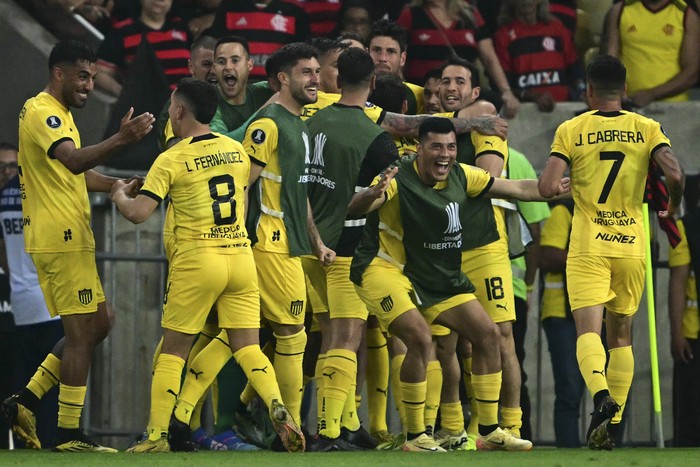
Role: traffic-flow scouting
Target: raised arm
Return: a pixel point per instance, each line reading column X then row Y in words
column 399, row 125
column 371, row 198
column 130, row 131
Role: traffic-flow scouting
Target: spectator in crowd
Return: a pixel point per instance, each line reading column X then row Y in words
column 322, row 15
column 537, row 54
column 441, row 29
column 658, row 35
column 559, row 327
column 355, row 16
column 96, row 12
column 36, row 332
column 167, row 36
column 267, row 25
column 352, row 40
column 685, row 325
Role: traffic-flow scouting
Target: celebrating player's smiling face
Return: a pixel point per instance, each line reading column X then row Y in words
column 455, row 88
column 232, row 67
column 436, row 155
column 78, row 80
column 304, row 79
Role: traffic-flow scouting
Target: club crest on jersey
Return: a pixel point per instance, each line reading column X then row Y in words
column 258, row 136
column 387, row 303
column 85, row 296
column 53, row 122
column 296, row 307
column 453, row 223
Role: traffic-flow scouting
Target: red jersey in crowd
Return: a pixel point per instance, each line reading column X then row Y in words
column 322, row 14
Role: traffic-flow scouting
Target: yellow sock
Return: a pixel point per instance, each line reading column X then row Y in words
column 432, row 397
column 396, row 363
column 377, row 379
column 248, row 394
column 289, row 357
column 487, row 389
column 202, row 372
column 473, row 428
column 46, row 376
column 590, row 354
column 202, row 341
column 260, row 372
column 619, row 375
column 413, row 400
column 70, row 405
column 350, row 420
column 512, row 419
column 452, row 417
column 156, row 354
column 318, row 379
column 339, row 372
column 164, row 392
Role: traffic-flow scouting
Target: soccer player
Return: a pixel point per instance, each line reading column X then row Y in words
column 402, row 258
column 338, row 166
column 279, row 146
column 55, row 176
column 607, row 151
column 206, row 176
column 485, row 258
column 238, row 99
column 387, row 46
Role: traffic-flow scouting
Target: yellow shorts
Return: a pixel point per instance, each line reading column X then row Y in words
column 282, row 287
column 69, row 281
column 617, row 283
column 169, row 246
column 490, row 273
column 385, row 291
column 316, row 288
column 432, row 312
column 343, row 301
column 198, row 280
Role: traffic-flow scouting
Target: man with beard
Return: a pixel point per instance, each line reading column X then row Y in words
column 55, row 177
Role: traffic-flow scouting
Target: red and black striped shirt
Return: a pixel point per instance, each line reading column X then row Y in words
column 537, row 56
column 427, row 47
column 323, row 15
column 171, row 45
column 266, row 28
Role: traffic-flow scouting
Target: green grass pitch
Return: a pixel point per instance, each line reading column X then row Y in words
column 537, row 457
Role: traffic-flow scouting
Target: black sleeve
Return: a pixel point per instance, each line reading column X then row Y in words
column 381, row 153
column 218, row 27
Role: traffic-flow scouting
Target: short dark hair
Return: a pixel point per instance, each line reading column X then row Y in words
column 384, row 27
column 204, row 42
column 458, row 61
column 352, row 36
column 434, row 73
column 69, row 52
column 355, row 67
column 324, row 46
column 440, row 125
column 200, row 97
column 389, row 93
column 5, row 146
column 606, row 75
column 287, row 56
column 233, row 40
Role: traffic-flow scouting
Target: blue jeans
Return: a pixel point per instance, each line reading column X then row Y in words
column 569, row 386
